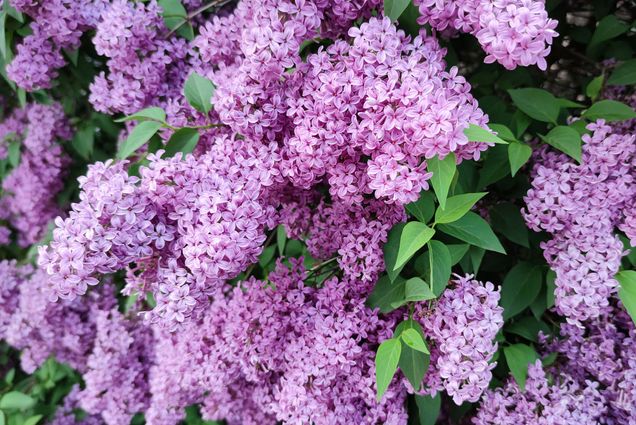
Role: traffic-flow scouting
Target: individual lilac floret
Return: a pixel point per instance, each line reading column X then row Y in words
column 580, row 205
column 560, row 399
column 511, row 32
column 117, row 369
column 461, row 330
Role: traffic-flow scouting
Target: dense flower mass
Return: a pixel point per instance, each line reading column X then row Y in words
column 511, row 32
column 28, row 201
column 292, row 189
column 580, row 205
column 463, row 327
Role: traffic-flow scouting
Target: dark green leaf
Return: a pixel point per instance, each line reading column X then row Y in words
column 550, row 286
column 413, row 365
column 386, row 363
column 627, row 291
column 528, row 327
column 457, row 252
column 594, row 87
column 518, row 357
column 456, row 207
column 503, row 132
column 394, row 8
column 520, row 287
column 506, row 219
column 267, row 255
column 624, row 74
column 390, row 250
column 84, row 141
column 475, row 230
column 14, row 153
column 443, row 173
column 386, row 294
column 424, row 208
column 148, row 114
column 183, row 140
column 609, row 27
column 281, row 238
column 137, row 138
column 565, row 139
column 566, row 103
column 413, row 237
column 428, row 408
column 495, row 167
column 609, row 110
column 475, row 133
column 199, row 91
column 3, row 39
column 518, row 154
column 439, row 266
column 536, row 103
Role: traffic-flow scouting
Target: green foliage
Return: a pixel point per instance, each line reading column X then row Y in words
column 198, row 91
column 518, row 357
column 443, row 173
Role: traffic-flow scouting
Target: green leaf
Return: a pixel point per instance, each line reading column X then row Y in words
column 477, row 134
column 457, row 252
column 536, row 103
column 33, row 420
column 3, row 419
column 475, row 230
column 624, row 74
column 424, row 208
column 394, row 8
column 528, row 327
column 443, row 173
column 386, row 363
column 183, row 140
column 520, row 287
column 176, row 16
column 3, row 38
column 609, row 110
column 566, row 103
column 439, row 266
column 16, row 400
column 281, row 238
column 506, row 219
column 137, row 138
column 518, row 357
column 627, row 291
column 550, row 287
column 390, row 250
column 14, row 153
column 494, row 167
column 518, row 155
column 503, row 132
column 267, row 255
column 387, row 294
column 414, row 340
column 199, row 91
column 456, row 207
column 594, row 87
column 428, row 408
column 413, row 365
column 565, row 139
column 84, row 141
column 413, row 237
column 148, row 114
column 417, row 290
column 609, row 27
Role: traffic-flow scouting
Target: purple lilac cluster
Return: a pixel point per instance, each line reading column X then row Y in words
column 66, row 414
column 40, row 328
column 57, row 25
column 580, row 205
column 187, row 225
column 29, row 198
column 461, row 330
column 117, row 369
column 511, row 32
column 592, row 381
column 278, row 351
column 546, row 400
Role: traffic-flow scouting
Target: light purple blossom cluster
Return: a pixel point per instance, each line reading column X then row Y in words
column 277, row 351
column 187, row 225
column 580, row 205
column 461, row 330
column 57, row 25
column 29, row 199
column 39, row 328
column 511, row 32
column 546, row 400
column 117, row 369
